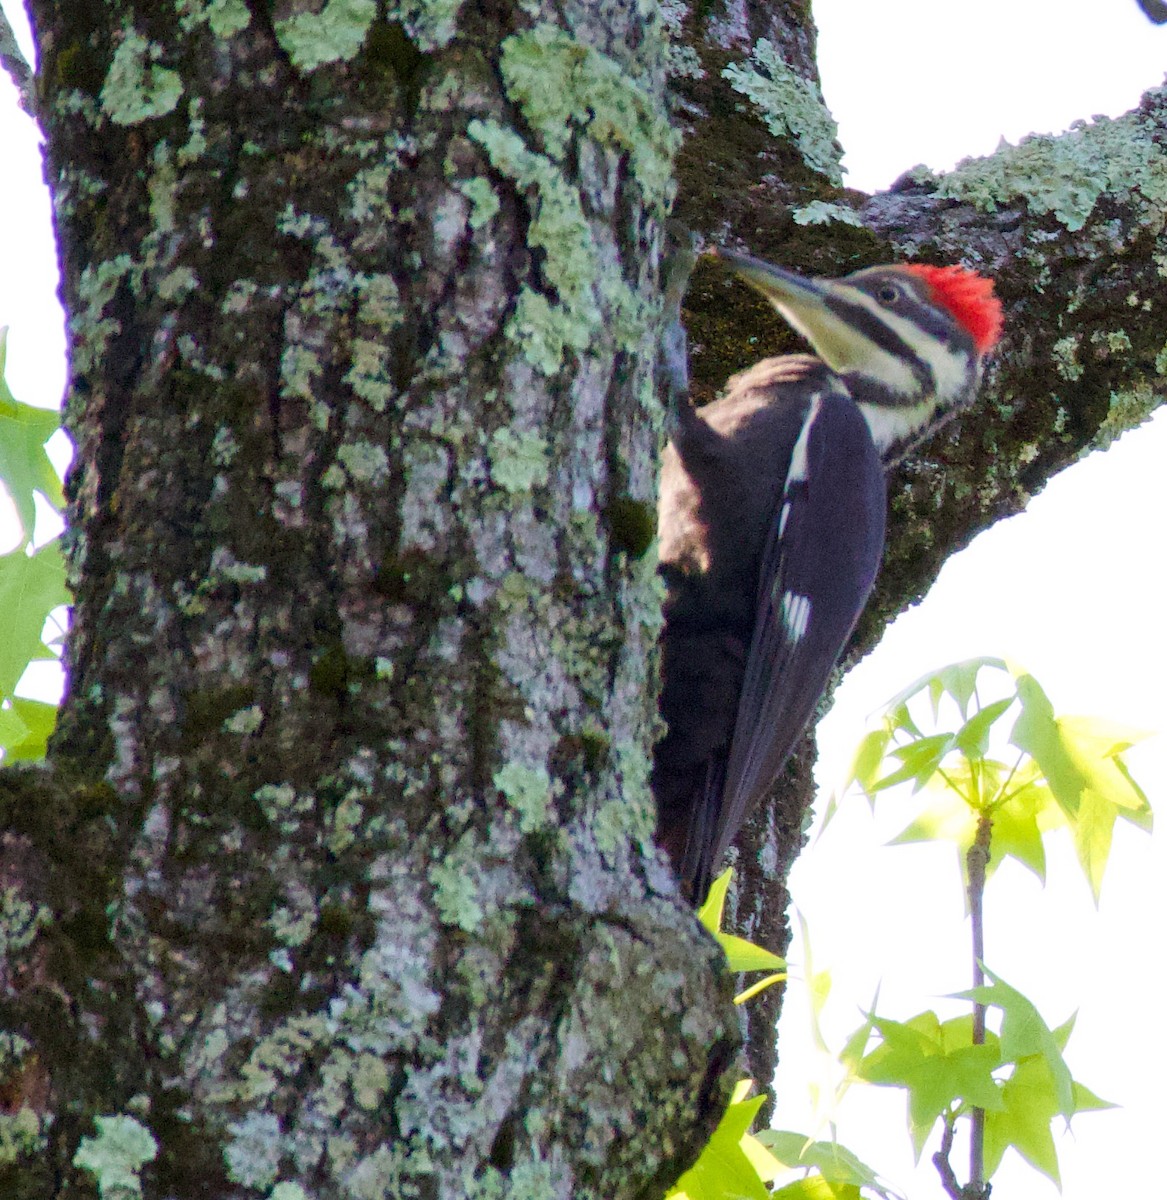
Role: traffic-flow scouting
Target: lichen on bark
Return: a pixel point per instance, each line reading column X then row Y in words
column 361, row 669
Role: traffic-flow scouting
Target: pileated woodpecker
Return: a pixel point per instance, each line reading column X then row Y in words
column 771, row 522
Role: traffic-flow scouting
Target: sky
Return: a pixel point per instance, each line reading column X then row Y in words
column 1072, row 588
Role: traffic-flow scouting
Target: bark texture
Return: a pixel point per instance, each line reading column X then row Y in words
column 340, row 875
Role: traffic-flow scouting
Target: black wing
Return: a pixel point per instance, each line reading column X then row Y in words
column 821, row 556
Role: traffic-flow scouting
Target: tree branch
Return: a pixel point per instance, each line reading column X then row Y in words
column 17, row 66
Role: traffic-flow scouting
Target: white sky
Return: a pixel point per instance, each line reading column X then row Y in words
column 1073, row 589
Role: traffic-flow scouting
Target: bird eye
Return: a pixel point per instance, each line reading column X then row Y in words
column 888, row 294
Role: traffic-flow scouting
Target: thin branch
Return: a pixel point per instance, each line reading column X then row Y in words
column 14, row 62
column 978, row 862
column 940, row 1160
column 1156, row 10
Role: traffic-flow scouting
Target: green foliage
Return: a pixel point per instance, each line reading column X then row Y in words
column 937, row 1064
column 837, row 1173
column 32, row 580
column 734, row 1165
column 1068, row 772
column 1006, row 1075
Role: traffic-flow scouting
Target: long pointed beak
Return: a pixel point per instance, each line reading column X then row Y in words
column 806, row 304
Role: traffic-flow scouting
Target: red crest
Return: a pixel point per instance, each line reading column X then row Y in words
column 969, row 297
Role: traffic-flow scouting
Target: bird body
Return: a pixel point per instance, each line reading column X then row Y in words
column 771, row 526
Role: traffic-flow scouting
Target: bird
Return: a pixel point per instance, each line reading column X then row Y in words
column 771, row 523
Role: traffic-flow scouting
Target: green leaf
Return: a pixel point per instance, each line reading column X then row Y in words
column 868, row 759
column 1036, row 733
column 947, row 817
column 1140, row 817
column 724, row 1171
column 818, row 986
column 1025, row 1034
column 972, row 740
column 31, row 586
column 855, row 1048
column 815, row 1187
column 1019, row 820
column 25, row 468
column 959, row 680
column 1030, row 1105
column 39, row 720
column 1039, row 1088
column 740, row 954
column 745, row 956
column 711, row 913
column 13, row 730
column 937, row 1064
column 1096, row 747
column 920, row 761
column 1080, row 759
column 1086, row 1101
column 1022, row 817
column 835, row 1163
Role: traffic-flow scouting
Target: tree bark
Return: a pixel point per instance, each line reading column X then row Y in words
column 340, row 875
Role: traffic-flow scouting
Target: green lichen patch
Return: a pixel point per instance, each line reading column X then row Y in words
column 484, row 202
column 456, row 895
column 335, row 34
column 568, row 91
column 225, row 17
column 430, row 23
column 20, row 1135
column 116, row 1155
column 790, row 107
column 562, row 84
column 1067, row 175
column 1064, row 354
column 288, row 1191
column 545, row 330
column 518, row 460
column 527, row 791
column 819, row 212
column 1128, row 409
column 253, row 1154
column 136, row 88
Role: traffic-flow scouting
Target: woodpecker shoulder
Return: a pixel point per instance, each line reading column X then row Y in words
column 782, row 371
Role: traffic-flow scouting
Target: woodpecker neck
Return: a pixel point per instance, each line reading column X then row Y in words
column 898, row 422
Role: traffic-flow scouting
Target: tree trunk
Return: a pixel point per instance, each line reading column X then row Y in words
column 341, row 869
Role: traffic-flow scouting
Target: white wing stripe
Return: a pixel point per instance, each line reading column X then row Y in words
column 798, row 465
column 795, row 615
